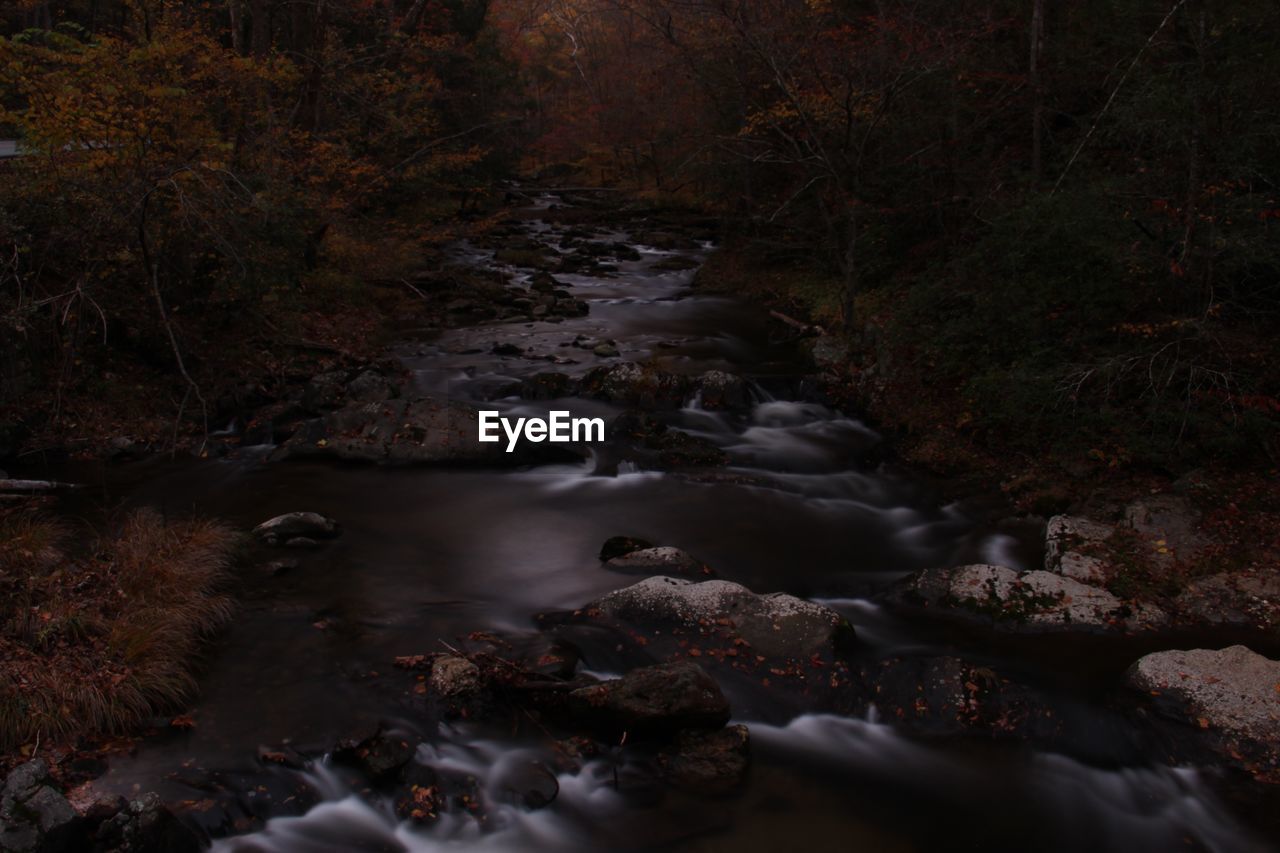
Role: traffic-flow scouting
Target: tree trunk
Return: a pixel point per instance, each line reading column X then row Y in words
column 850, row 271
column 1037, row 90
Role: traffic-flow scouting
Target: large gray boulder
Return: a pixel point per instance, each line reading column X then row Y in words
column 1230, row 696
column 1025, row 601
column 774, row 625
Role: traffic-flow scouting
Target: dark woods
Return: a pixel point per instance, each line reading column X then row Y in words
column 1048, row 223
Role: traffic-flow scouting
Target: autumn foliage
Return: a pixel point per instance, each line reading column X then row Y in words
column 195, row 175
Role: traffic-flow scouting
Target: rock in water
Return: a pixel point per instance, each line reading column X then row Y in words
column 1230, row 696
column 708, row 762
column 1068, row 540
column 631, row 384
column 653, row 444
column 528, row 783
column 775, row 625
column 35, row 817
column 654, row 700
column 380, row 756
column 618, row 546
column 723, row 391
column 294, row 525
column 663, row 560
column 1024, row 602
column 453, row 676
column 148, row 826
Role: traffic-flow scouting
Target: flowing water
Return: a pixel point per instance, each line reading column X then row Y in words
column 430, row 554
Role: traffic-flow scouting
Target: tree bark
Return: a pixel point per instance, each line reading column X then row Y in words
column 1037, row 90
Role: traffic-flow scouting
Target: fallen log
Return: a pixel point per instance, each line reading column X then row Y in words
column 802, row 327
column 36, row 486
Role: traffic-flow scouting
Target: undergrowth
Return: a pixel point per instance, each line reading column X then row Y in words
column 97, row 643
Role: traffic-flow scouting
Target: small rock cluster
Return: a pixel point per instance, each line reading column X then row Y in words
column 1219, row 703
column 36, row 818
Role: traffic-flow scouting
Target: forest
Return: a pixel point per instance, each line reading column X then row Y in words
column 954, row 323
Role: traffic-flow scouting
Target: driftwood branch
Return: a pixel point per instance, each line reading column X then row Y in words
column 798, row 325
column 36, row 486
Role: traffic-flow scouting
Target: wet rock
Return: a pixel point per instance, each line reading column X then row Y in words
column 605, row 350
column 548, row 386
column 617, row 546
column 707, row 762
column 34, row 816
column 624, row 252
column 662, row 447
column 301, row 542
column 667, row 241
column 276, row 568
column 533, row 257
column 453, row 677
column 1247, row 600
column 324, row 391
column 423, row 799
column 654, row 700
column 369, row 387
column 380, row 757
column 530, row 784
column 1071, row 548
column 1027, row 601
column 544, row 282
column 294, row 525
column 631, row 384
column 774, row 625
column 720, row 391
column 947, row 695
column 663, row 560
column 677, row 263
column 507, row 349
column 1227, row 696
column 148, row 826
column 103, row 809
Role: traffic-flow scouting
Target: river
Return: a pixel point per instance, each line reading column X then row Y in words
column 808, row 507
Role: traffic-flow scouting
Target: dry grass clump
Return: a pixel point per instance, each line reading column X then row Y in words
column 99, row 643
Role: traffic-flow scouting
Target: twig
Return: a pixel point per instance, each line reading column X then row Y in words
column 1114, row 92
